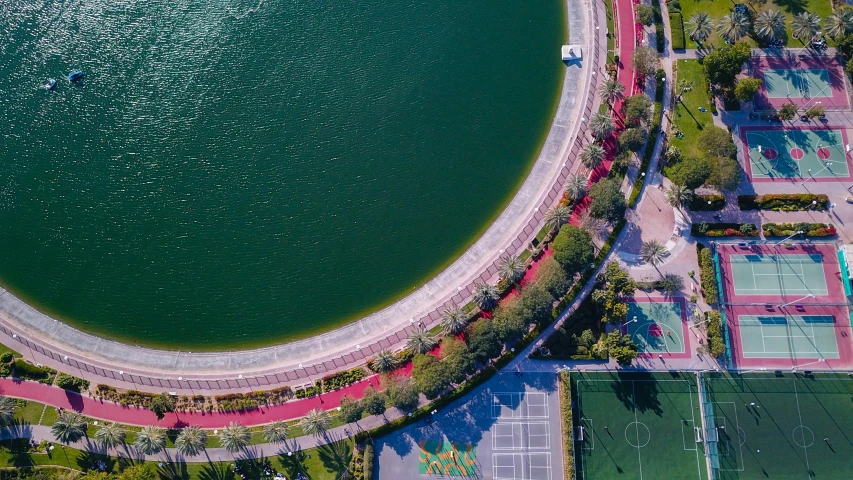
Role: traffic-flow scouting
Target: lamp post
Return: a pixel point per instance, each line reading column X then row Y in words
column 811, row 295
column 798, row 232
column 633, row 320
column 796, row 367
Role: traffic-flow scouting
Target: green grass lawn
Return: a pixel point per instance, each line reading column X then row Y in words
column 4, row 349
column 326, row 462
column 611, row 29
column 686, row 115
column 718, row 8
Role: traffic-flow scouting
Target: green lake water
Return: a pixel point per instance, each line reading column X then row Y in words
column 233, row 173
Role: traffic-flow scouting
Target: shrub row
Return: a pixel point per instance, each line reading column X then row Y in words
column 67, row 382
column 788, row 229
column 707, row 277
column 568, row 424
column 368, row 460
column 129, row 397
column 660, row 37
column 238, row 402
column 714, row 330
column 652, row 139
column 783, row 201
column 707, row 203
column 676, row 25
column 342, row 379
column 28, row 371
column 312, row 391
column 705, row 229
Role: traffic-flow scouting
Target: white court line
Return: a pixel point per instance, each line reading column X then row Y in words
column 737, row 431
column 800, row 413
column 637, row 427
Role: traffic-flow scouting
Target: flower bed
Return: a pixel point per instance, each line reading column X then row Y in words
column 704, row 229
column 789, row 229
column 342, row 379
column 788, row 202
column 707, row 203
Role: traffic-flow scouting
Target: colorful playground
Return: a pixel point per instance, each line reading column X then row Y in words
column 813, row 154
column 785, row 306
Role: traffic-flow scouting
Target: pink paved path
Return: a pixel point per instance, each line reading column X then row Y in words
column 104, row 410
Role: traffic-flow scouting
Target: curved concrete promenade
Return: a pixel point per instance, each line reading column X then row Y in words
column 51, row 342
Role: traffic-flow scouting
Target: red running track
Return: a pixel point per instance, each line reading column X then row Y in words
column 104, row 410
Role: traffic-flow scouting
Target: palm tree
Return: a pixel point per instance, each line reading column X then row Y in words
column 7, row 410
column 316, row 422
column 678, row 195
column 453, row 320
column 733, row 27
column 576, row 186
column 511, row 268
column 275, row 432
column 770, row 25
column 610, row 91
column 485, row 295
column 601, row 125
column 235, row 437
column 653, row 252
column 699, row 27
column 805, row 26
column 111, row 435
column 191, row 441
column 556, row 216
column 420, row 341
column 384, row 361
column 150, row 440
column 592, row 155
column 69, row 427
column 839, row 23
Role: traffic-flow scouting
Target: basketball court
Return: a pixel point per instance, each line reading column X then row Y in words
column 805, row 81
column 761, row 426
column 774, row 153
column 658, row 326
column 637, row 425
column 784, row 306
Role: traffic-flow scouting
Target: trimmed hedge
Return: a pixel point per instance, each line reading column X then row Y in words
column 787, row 229
column 676, row 25
column 704, row 229
column 342, row 379
column 714, row 330
column 368, row 460
column 28, row 371
column 67, row 382
column 788, row 202
column 650, row 142
column 699, row 203
column 567, row 423
column 707, row 277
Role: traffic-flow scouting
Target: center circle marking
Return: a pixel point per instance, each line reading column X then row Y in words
column 797, row 153
column 637, row 434
column 803, row 436
column 770, row 153
column 824, row 153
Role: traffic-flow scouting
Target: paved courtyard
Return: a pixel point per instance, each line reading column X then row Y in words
column 507, row 428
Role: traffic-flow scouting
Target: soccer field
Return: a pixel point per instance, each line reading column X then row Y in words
column 637, row 425
column 787, row 426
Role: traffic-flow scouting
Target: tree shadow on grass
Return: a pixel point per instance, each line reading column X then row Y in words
column 792, row 6
column 336, row 455
column 217, row 471
column 19, row 456
column 172, row 469
column 95, row 461
column 293, row 464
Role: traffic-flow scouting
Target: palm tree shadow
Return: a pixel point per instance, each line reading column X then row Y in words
column 173, row 469
column 216, row 471
column 19, row 455
column 792, row 6
column 292, row 462
column 335, row 455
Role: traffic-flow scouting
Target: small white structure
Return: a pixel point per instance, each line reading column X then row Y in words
column 572, row 53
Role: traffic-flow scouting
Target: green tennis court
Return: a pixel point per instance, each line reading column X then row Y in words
column 803, row 153
column 637, row 425
column 761, row 426
column 778, row 275
column 788, row 336
column 797, row 83
column 658, row 327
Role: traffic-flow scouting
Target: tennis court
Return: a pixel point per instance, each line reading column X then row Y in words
column 657, row 327
column 806, row 81
column 789, row 426
column 810, row 154
column 797, row 83
column 788, row 336
column 780, row 275
column 637, row 425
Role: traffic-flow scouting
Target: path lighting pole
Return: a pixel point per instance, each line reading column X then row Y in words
column 629, row 321
column 811, row 295
column 795, row 367
column 780, row 242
